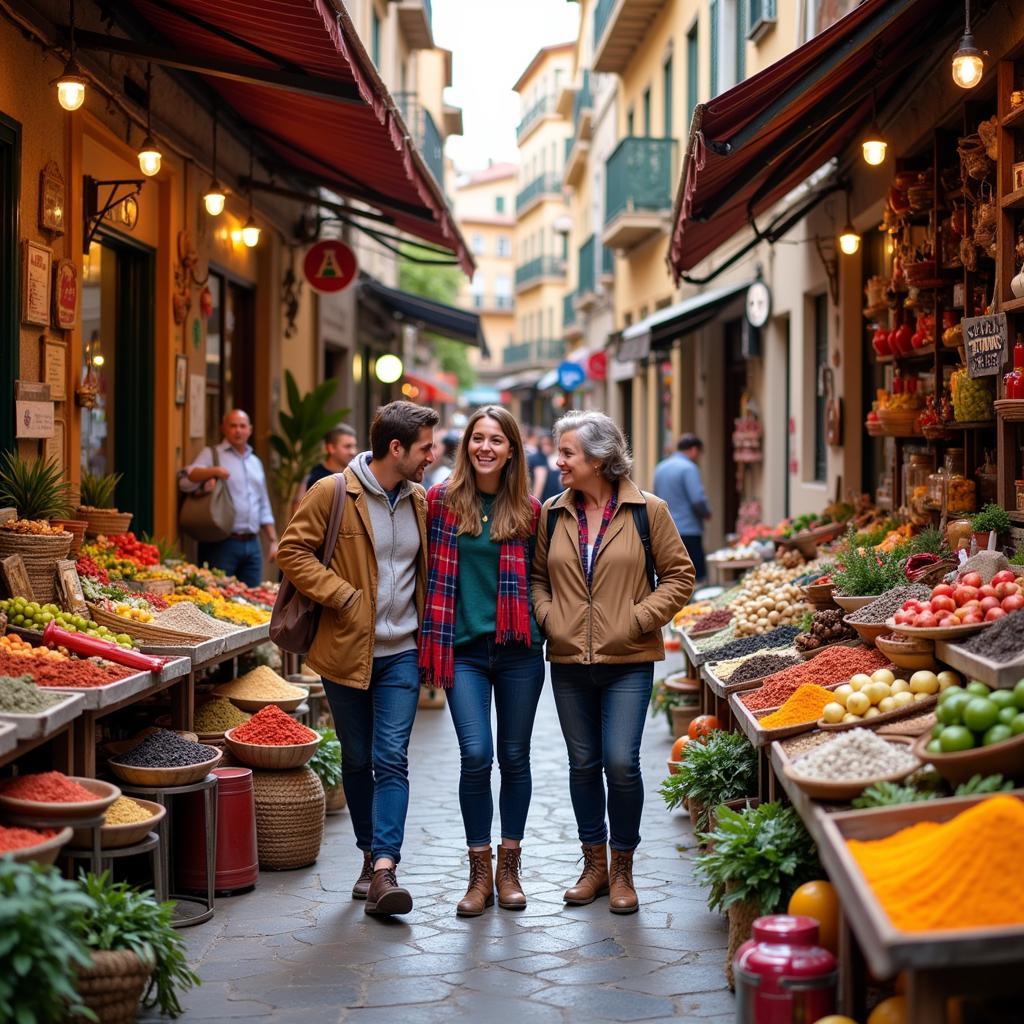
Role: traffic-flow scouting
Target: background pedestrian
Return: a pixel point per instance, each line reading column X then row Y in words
column 677, row 480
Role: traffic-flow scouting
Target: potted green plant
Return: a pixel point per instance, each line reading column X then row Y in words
column 97, row 504
column 720, row 769
column 992, row 518
column 756, row 858
column 135, row 952
column 326, row 762
column 40, row 948
column 863, row 573
column 679, row 706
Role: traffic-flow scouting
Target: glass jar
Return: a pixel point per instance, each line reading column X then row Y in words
column 937, row 487
column 1020, row 495
column 988, row 478
column 959, row 490
column 917, row 465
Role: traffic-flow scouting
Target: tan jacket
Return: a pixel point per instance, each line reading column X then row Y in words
column 620, row 620
column 343, row 648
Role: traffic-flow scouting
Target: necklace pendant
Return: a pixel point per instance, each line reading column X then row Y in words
column 484, row 518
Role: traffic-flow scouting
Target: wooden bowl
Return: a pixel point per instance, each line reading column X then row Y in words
column 851, row 604
column 1006, row 758
column 846, row 789
column 44, row 853
column 251, row 705
column 114, row 837
column 263, row 755
column 913, row 655
column 915, row 706
column 937, row 632
column 183, row 776
column 106, row 794
column 869, row 632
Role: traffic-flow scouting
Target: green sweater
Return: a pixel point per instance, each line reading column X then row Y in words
column 476, row 605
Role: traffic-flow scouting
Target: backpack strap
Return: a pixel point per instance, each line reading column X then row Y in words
column 643, row 528
column 334, row 523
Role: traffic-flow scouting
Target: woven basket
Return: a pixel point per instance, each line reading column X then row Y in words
column 76, row 527
column 113, row 986
column 40, row 555
column 335, row 796
column 157, row 636
column 105, row 521
column 289, row 818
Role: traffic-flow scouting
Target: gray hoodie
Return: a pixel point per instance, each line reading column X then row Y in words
column 396, row 541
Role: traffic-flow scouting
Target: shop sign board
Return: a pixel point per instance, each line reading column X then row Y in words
column 33, row 419
column 65, row 295
column 51, row 199
column 36, row 261
column 571, row 375
column 329, row 266
column 55, row 367
column 196, row 405
column 985, row 341
column 597, row 366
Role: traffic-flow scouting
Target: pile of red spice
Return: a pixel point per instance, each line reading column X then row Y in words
column 718, row 619
column 831, row 666
column 75, row 672
column 271, row 727
column 47, row 788
column 19, row 838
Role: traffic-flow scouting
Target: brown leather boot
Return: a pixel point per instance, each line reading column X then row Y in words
column 594, row 880
column 362, row 886
column 385, row 896
column 622, row 897
column 506, row 878
column 480, row 893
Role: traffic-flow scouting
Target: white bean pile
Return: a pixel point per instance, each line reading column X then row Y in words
column 857, row 754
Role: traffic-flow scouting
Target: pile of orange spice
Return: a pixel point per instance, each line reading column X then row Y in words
column 962, row 873
column 805, row 704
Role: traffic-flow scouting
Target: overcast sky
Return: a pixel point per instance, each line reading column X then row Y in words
column 492, row 41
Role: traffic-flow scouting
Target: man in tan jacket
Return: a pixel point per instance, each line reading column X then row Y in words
column 365, row 647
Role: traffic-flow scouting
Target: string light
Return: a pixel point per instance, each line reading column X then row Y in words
column 214, row 197
column 149, row 156
column 71, row 83
column 874, row 145
column 251, row 231
column 849, row 240
column 967, row 63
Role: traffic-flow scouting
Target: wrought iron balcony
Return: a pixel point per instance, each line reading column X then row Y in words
column 545, row 105
column 638, row 190
column 546, row 350
column 545, row 185
column 619, row 30
column 415, row 19
column 592, row 258
column 537, row 269
column 424, row 132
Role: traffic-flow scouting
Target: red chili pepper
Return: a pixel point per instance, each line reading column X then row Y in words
column 47, row 788
column 270, row 726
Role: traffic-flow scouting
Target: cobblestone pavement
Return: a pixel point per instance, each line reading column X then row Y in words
column 298, row 948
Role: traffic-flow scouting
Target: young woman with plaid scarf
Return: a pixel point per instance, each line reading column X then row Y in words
column 479, row 633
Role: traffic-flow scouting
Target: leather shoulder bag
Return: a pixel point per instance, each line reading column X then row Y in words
column 296, row 618
column 208, row 515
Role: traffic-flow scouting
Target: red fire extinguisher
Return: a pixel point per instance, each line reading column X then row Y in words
column 782, row 975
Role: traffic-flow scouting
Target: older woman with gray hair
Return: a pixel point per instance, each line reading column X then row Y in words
column 609, row 572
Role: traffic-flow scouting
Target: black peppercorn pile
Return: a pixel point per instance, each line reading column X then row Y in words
column 1002, row 642
column 164, row 749
column 762, row 665
column 827, row 628
column 781, row 637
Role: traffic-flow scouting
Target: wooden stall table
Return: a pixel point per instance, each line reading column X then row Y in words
column 62, row 753
column 724, row 572
column 692, row 660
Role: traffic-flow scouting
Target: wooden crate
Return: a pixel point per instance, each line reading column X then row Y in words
column 995, row 673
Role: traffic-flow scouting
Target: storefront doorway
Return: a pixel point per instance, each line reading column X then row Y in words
column 230, row 349
column 735, row 389
column 117, row 361
column 10, row 188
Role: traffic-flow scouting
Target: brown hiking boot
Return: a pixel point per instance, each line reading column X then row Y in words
column 480, row 893
column 506, row 878
column 622, row 897
column 362, row 886
column 385, row 896
column 594, row 880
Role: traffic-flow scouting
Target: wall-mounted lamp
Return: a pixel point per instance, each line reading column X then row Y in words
column 967, row 61
column 149, row 156
column 214, row 196
column 71, row 82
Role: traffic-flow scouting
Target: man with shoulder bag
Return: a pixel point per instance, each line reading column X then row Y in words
column 370, row 589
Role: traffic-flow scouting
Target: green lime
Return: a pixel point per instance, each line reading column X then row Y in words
column 980, row 714
column 954, row 707
column 19, row 619
column 1017, row 725
column 1018, row 694
column 1007, row 715
column 996, row 734
column 938, row 727
column 955, row 738
column 934, row 747
column 1001, row 698
column 979, row 689
column 949, row 691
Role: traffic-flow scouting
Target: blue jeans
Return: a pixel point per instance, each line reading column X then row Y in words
column 602, row 709
column 517, row 675
column 374, row 727
column 237, row 557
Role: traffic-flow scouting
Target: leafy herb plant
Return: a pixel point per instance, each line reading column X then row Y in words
column 722, row 768
column 865, row 572
column 326, row 762
column 663, row 700
column 991, row 517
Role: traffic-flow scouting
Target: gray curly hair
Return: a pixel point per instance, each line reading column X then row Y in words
column 601, row 439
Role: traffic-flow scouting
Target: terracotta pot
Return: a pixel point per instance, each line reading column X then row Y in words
column 681, row 719
column 981, row 539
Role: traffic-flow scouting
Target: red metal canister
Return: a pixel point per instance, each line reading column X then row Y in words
column 782, row 975
column 237, row 865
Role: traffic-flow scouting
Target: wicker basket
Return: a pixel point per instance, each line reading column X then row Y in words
column 113, row 986
column 40, row 553
column 335, row 797
column 157, row 636
column 76, row 527
column 289, row 818
column 900, row 423
column 105, row 521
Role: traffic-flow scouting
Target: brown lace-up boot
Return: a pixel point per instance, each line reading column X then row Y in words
column 622, row 897
column 480, row 893
column 594, row 880
column 506, row 879
column 386, row 896
column 362, row 886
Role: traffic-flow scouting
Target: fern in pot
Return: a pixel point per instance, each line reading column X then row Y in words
column 326, row 763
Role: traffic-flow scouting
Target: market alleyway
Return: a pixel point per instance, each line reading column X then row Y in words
column 299, row 949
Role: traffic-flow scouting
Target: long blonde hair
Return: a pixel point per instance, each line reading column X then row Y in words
column 513, row 510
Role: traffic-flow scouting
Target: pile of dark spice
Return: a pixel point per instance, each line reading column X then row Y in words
column 718, row 619
column 165, row 749
column 762, row 665
column 782, row 636
column 20, row 696
column 1002, row 642
column 827, row 627
column 885, row 607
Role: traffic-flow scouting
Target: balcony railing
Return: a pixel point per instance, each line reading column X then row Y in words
column 568, row 310
column 541, row 266
column 498, row 302
column 639, row 176
column 586, row 267
column 546, row 350
column 424, row 132
column 546, row 184
column 583, row 100
column 602, row 13
column 545, row 105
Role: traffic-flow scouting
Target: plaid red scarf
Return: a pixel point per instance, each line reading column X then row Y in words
column 437, row 634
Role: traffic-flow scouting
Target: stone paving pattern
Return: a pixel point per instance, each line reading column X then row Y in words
column 299, row 949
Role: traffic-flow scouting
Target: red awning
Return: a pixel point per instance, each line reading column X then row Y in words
column 296, row 71
column 754, row 143
column 428, row 391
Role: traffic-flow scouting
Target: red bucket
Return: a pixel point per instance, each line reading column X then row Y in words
column 237, row 865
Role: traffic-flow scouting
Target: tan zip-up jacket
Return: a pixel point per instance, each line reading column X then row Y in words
column 620, row 619
column 343, row 649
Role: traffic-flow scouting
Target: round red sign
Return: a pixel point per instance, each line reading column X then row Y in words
column 329, row 266
column 597, row 366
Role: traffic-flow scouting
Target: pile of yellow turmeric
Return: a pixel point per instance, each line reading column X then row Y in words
column 804, row 705
column 963, row 873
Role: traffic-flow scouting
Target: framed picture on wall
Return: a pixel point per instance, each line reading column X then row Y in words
column 180, row 379
column 36, row 264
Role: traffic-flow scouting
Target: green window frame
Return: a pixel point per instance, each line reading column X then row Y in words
column 692, row 72
column 375, row 37
column 714, row 13
column 666, row 91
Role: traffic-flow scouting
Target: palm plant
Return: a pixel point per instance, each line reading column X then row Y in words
column 35, row 487
column 97, row 489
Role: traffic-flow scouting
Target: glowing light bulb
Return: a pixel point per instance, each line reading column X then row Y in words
column 70, row 92
column 214, row 199
column 967, row 63
column 873, row 148
column 250, row 233
column 149, row 157
column 849, row 240
column 98, row 360
column 388, row 369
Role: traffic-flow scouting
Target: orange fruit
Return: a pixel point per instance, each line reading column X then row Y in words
column 702, row 725
column 890, row 1011
column 819, row 900
column 678, row 749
